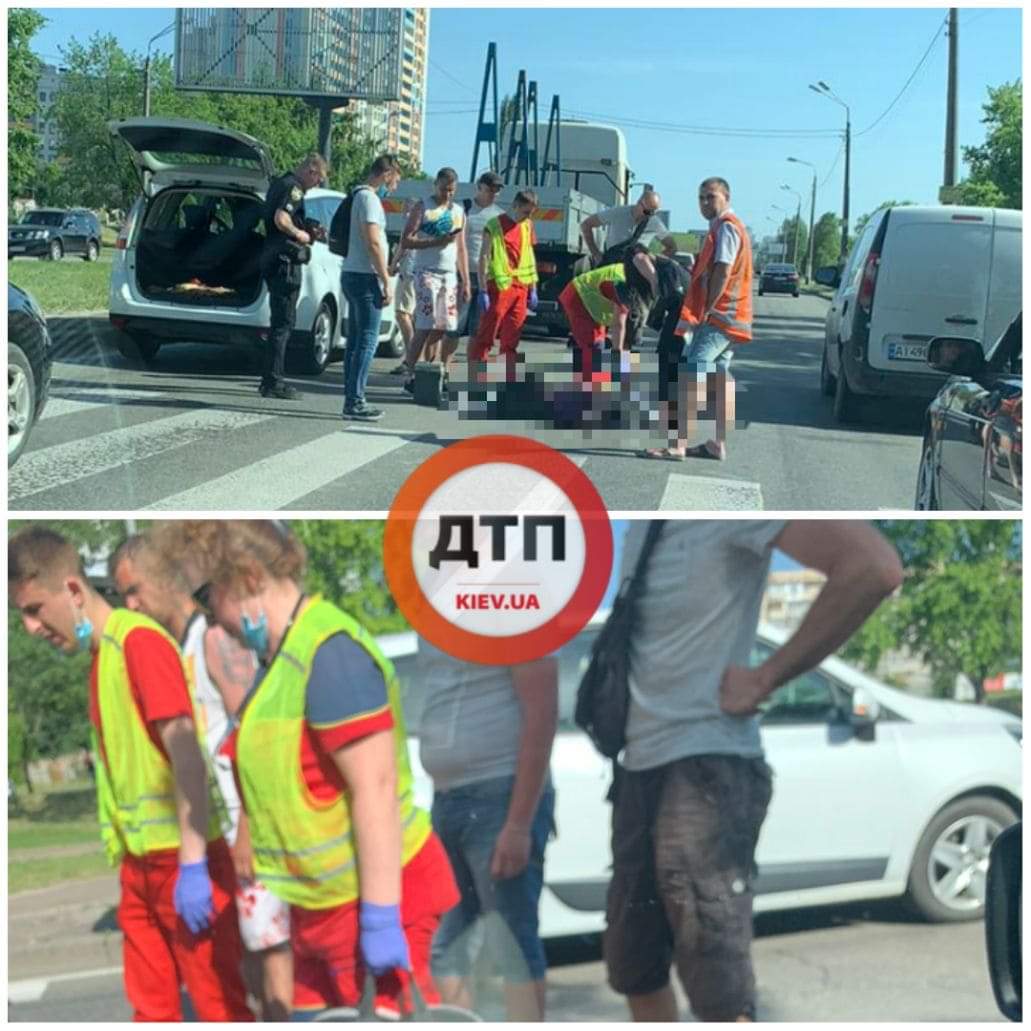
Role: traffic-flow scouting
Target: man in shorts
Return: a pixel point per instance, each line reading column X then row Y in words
column 485, row 738
column 692, row 792
column 403, row 266
column 220, row 672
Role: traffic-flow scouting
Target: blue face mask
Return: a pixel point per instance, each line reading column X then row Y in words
column 255, row 633
column 84, row 634
column 382, row 191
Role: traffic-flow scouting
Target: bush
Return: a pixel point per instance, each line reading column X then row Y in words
column 1010, row 701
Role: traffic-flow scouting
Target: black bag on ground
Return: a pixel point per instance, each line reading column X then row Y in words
column 603, row 697
column 339, row 239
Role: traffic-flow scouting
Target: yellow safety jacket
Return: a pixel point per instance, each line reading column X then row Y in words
column 135, row 784
column 499, row 268
column 588, row 287
column 304, row 849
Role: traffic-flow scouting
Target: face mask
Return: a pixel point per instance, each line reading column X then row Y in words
column 83, row 630
column 382, row 191
column 255, row 633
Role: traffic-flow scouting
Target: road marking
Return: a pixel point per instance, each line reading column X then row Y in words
column 277, row 481
column 34, row 989
column 108, row 396
column 61, row 464
column 709, row 494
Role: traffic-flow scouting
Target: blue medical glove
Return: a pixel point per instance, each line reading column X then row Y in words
column 484, row 301
column 531, row 301
column 192, row 897
column 381, row 938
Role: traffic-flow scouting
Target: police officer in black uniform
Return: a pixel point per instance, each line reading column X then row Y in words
column 287, row 243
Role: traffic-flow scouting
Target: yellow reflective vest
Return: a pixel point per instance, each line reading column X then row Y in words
column 588, row 287
column 135, row 784
column 304, row 848
column 499, row 268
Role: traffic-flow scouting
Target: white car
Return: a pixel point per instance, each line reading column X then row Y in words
column 186, row 265
column 877, row 793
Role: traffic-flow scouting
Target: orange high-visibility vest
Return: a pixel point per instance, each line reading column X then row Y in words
column 732, row 313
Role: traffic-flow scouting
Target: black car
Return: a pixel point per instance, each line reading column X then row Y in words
column 52, row 233
column 973, row 438
column 28, row 368
column 779, row 278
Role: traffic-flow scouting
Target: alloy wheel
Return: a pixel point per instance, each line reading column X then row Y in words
column 958, row 864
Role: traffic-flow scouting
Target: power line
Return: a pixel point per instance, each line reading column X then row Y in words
column 706, row 130
column 443, row 71
column 920, row 64
column 841, row 150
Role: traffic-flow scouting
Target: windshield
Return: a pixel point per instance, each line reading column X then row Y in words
column 43, row 218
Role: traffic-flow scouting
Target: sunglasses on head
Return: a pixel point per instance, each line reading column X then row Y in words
column 202, row 596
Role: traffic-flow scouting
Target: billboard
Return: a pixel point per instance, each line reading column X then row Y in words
column 337, row 52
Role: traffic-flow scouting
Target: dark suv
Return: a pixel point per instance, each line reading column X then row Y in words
column 52, row 233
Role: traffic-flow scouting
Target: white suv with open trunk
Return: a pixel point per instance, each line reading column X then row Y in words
column 186, row 266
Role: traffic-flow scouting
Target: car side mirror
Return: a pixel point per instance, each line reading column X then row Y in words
column 1003, row 896
column 829, row 275
column 957, row 356
column 864, row 715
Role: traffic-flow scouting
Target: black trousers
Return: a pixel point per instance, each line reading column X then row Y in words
column 283, row 309
column 670, row 349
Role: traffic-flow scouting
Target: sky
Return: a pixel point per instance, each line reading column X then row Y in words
column 668, row 66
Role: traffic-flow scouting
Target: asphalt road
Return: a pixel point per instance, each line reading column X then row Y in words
column 191, row 432
column 848, row 963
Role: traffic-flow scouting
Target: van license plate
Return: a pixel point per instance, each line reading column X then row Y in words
column 907, row 352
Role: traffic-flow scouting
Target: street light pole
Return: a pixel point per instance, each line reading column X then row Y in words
column 146, row 68
column 825, row 91
column 812, row 221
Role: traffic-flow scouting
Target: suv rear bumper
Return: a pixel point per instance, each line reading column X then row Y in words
column 863, row 378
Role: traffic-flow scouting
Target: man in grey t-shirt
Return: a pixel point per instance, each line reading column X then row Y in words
column 693, row 791
column 624, row 220
column 485, row 736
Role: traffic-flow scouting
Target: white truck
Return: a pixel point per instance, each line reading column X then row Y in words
column 595, row 176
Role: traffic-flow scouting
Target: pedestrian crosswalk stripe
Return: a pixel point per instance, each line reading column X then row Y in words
column 62, row 464
column 709, row 494
column 105, row 396
column 277, row 481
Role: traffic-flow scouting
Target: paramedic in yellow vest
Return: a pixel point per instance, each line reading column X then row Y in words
column 507, row 278
column 176, row 912
column 221, row 672
column 716, row 317
column 597, row 303
column 321, row 759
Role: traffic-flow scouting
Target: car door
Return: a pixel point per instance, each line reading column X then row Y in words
column 832, row 819
column 839, row 318
column 1003, row 489
column 963, row 431
column 73, row 233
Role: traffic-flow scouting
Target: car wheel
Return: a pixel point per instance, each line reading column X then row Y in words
column 947, row 881
column 844, row 399
column 55, row 252
column 393, row 346
column 760, row 291
column 92, row 251
column 827, row 381
column 318, row 351
column 926, row 495
column 795, row 294
column 137, row 347
column 21, row 402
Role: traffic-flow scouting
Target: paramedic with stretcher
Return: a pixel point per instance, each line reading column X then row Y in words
column 288, row 237
column 321, row 759
column 157, row 810
column 508, row 279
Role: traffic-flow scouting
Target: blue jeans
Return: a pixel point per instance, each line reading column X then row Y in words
column 468, row 820
column 707, row 347
column 364, row 311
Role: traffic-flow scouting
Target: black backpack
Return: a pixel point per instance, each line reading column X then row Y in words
column 340, row 228
column 603, row 697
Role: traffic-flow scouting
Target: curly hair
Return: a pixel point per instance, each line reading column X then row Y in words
column 225, row 551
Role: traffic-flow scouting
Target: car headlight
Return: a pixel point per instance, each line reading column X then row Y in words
column 1016, row 731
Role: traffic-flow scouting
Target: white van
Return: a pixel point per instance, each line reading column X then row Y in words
column 186, row 265
column 916, row 273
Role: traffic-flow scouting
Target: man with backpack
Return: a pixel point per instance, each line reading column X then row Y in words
column 359, row 234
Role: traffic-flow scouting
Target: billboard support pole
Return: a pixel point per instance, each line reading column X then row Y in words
column 547, row 165
column 325, row 145
column 487, row 132
column 534, row 150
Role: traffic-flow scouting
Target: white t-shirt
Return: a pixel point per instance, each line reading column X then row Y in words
column 440, row 259
column 728, row 240
column 698, row 615
column 475, row 222
column 215, row 721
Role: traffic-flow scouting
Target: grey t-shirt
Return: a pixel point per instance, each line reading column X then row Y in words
column 621, row 226
column 698, row 615
column 475, row 222
column 367, row 207
column 470, row 720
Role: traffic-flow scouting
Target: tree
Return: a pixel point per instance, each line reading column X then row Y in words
column 959, row 608
column 786, row 232
column 995, row 166
column 23, row 69
column 826, row 240
column 863, row 219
